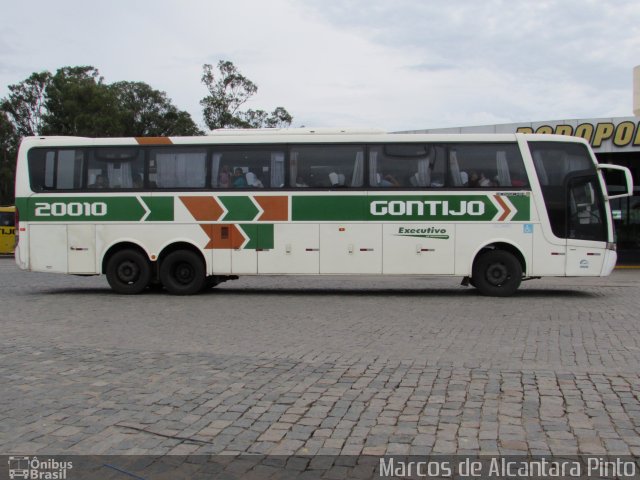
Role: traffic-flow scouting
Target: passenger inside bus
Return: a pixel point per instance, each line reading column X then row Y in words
column 100, row 182
column 137, row 181
column 388, row 180
column 239, row 181
column 224, row 179
column 253, row 180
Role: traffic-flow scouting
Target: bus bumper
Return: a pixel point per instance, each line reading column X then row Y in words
column 610, row 258
column 22, row 265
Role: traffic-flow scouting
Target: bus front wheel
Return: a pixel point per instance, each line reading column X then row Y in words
column 182, row 273
column 497, row 273
column 128, row 272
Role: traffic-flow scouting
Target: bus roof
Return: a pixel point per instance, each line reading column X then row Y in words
column 292, row 136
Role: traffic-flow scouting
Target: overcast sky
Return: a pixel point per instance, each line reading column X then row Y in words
column 395, row 65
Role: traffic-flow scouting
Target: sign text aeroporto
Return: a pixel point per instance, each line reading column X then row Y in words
column 604, row 134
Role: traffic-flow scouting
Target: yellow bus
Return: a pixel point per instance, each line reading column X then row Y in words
column 7, row 229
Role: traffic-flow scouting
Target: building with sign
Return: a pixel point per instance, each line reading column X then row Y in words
column 614, row 140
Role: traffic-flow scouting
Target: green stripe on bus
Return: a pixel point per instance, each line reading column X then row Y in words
column 341, row 208
column 407, row 207
column 96, row 209
column 522, row 203
column 260, row 236
column 329, row 208
column 161, row 209
column 239, row 208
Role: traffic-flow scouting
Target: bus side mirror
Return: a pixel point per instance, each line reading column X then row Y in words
column 627, row 188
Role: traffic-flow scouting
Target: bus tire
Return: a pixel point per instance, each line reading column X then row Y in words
column 128, row 272
column 182, row 273
column 497, row 273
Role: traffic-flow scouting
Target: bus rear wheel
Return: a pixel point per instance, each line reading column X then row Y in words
column 182, row 273
column 497, row 273
column 128, row 272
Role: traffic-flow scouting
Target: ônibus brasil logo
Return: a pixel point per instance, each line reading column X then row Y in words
column 33, row 468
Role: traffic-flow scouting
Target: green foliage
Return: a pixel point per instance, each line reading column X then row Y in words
column 229, row 90
column 279, row 118
column 78, row 102
column 149, row 112
column 8, row 150
column 25, row 104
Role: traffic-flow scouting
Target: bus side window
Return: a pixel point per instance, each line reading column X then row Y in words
column 326, row 166
column 115, row 168
column 247, row 167
column 406, row 165
column 486, row 165
column 60, row 169
column 178, row 167
column 6, row 219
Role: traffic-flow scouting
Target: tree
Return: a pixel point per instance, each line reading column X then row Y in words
column 149, row 112
column 260, row 119
column 25, row 106
column 78, row 102
column 21, row 114
column 8, row 149
column 229, row 90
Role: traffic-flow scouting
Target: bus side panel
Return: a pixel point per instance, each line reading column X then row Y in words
column 82, row 248
column 220, row 261
column 585, row 258
column 419, row 248
column 48, row 248
column 295, row 250
column 350, row 248
column 548, row 256
column 244, row 261
column 472, row 237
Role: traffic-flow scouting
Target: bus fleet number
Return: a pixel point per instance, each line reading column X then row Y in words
column 71, row 209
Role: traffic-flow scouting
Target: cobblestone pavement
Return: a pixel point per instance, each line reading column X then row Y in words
column 338, row 365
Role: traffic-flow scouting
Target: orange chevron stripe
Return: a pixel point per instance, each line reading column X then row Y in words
column 504, row 206
column 204, row 209
column 223, row 236
column 154, row 141
column 275, row 208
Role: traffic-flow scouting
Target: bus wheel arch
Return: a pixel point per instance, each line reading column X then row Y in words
column 182, row 268
column 498, row 269
column 127, row 267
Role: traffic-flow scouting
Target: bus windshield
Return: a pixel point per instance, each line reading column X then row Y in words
column 571, row 190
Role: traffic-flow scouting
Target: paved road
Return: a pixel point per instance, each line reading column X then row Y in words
column 319, row 366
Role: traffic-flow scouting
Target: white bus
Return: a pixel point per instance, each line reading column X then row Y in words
column 186, row 213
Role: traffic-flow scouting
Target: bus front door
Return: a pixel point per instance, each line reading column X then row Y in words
column 586, row 227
